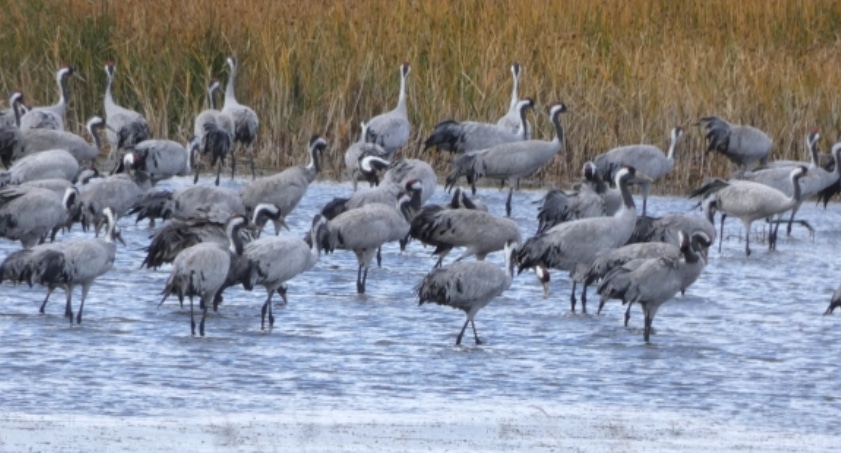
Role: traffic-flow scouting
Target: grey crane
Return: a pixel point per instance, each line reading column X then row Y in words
column 666, row 228
column 28, row 214
column 355, row 154
column 648, row 159
column 274, row 260
column 818, row 180
column 213, row 133
column 78, row 262
column 606, row 262
column 59, row 187
column 189, row 203
column 394, row 184
column 55, row 163
column 365, row 229
column 285, row 189
column 468, row 286
column 573, row 246
column 246, row 122
column 202, row 270
column 749, row 201
column 386, row 193
column 589, row 198
column 203, row 201
column 479, row 232
column 510, row 161
column 466, row 136
column 159, row 159
column 126, row 127
column 176, row 236
column 402, row 171
column 120, row 192
column 745, row 146
column 663, row 229
column 655, row 281
column 391, row 129
column 25, row 142
column 50, row 117
column 512, row 121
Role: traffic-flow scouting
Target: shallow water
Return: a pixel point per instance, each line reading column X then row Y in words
column 747, row 344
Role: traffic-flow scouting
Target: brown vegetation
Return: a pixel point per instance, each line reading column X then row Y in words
column 630, row 70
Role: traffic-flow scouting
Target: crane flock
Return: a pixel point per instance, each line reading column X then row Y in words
column 212, row 238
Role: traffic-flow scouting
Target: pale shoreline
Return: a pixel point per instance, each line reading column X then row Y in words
column 521, row 428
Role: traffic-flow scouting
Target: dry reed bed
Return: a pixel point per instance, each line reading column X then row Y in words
column 629, row 70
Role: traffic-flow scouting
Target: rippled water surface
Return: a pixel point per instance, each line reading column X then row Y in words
column 747, row 343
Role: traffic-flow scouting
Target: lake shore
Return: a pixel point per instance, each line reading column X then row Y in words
column 521, row 428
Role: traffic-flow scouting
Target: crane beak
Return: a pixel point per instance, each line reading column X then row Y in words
column 76, row 75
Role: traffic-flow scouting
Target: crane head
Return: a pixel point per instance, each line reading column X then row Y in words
column 110, row 69
column 405, row 69
column 232, row 62
column 515, row 70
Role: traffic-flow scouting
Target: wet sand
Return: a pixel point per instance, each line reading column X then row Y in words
column 521, row 428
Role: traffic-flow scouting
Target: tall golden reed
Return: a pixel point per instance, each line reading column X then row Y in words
column 630, row 70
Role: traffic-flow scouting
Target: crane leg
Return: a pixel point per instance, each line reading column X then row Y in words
column 267, row 306
column 461, row 334
column 85, row 289
column 203, row 316
column 68, row 308
column 584, row 299
column 508, row 201
column 44, row 304
column 647, row 332
column 360, row 281
column 572, row 297
column 380, row 256
column 233, row 165
column 475, row 335
column 628, row 313
column 721, row 232
column 192, row 319
column 218, row 171
column 602, row 301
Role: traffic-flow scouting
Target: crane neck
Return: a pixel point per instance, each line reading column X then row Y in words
column 211, row 99
column 111, row 231
column 627, row 199
column 515, row 91
column 797, row 196
column 559, row 129
column 314, row 165
column 16, row 111
column 524, row 124
column 63, row 94
column 235, row 243
column 813, row 154
column 672, row 146
column 690, row 255
column 230, row 97
column 92, row 129
column 109, row 98
column 401, row 99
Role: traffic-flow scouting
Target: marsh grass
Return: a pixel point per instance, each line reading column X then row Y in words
column 630, row 70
